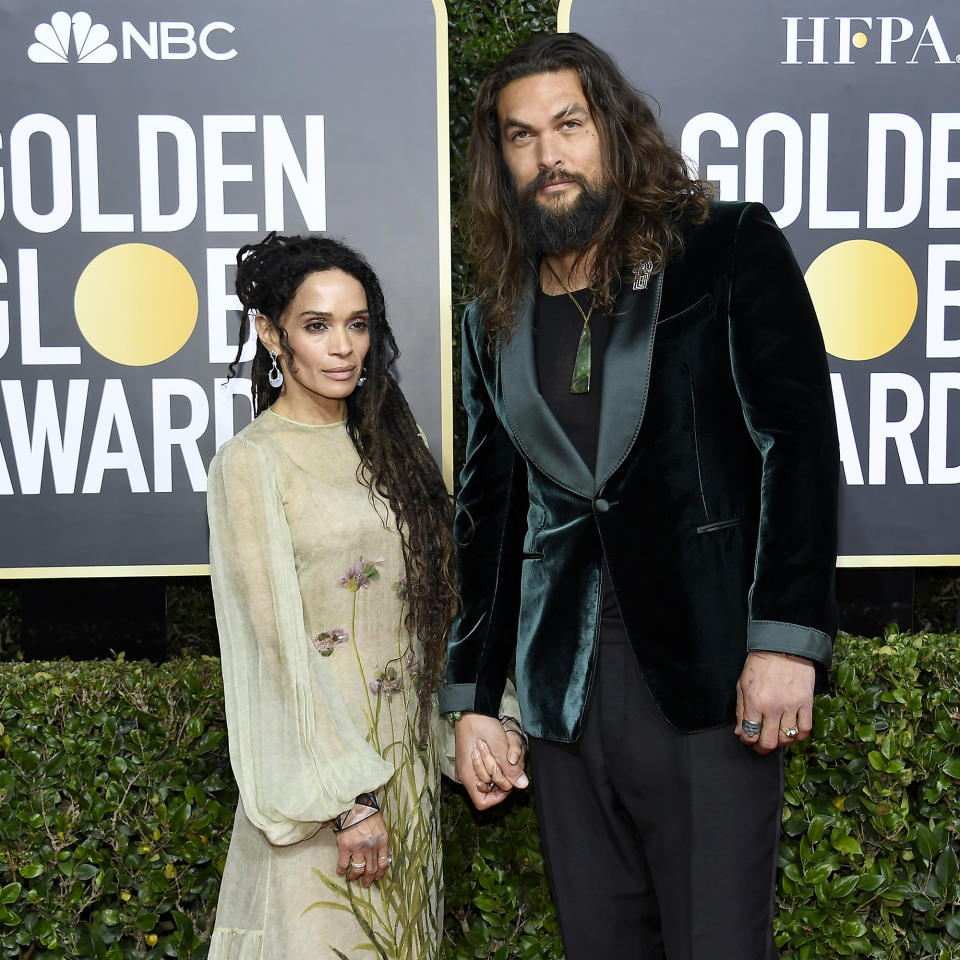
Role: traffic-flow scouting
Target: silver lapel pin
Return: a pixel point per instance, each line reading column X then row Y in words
column 641, row 275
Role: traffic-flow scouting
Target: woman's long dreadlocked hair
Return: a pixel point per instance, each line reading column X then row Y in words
column 394, row 463
column 652, row 192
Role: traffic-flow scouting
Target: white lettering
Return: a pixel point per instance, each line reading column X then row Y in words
column 900, row 431
column 223, row 308
column 21, row 167
column 88, row 170
column 31, row 352
column 849, row 457
column 177, row 35
column 280, row 159
column 208, row 51
column 935, row 40
column 794, row 39
column 880, row 127
column 943, row 170
column 114, row 412
column 887, row 39
column 166, row 436
column 792, row 135
column 150, row 47
column 725, row 175
column 941, row 383
column 822, row 218
column 4, row 315
column 939, row 298
column 30, row 446
column 217, row 173
column 846, row 53
column 150, row 128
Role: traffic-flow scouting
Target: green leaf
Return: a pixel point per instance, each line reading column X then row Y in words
column 9, row 893
column 946, row 868
column 925, row 843
column 31, row 870
column 952, row 768
column 843, row 843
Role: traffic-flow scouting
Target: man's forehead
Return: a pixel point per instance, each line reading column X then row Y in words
column 552, row 93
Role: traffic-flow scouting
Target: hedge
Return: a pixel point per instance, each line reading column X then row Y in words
column 116, row 802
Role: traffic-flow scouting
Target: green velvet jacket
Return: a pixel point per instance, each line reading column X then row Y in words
column 714, row 498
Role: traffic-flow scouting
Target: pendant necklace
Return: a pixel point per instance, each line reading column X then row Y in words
column 580, row 383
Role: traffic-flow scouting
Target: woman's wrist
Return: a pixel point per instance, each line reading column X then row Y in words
column 364, row 807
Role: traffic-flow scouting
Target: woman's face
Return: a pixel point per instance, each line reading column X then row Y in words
column 328, row 328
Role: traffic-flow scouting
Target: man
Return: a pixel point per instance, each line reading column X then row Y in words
column 647, row 514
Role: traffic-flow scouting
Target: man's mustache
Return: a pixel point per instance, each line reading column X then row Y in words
column 545, row 177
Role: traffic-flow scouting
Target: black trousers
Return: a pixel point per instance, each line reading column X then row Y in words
column 659, row 845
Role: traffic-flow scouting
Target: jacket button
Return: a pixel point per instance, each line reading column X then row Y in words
column 601, row 505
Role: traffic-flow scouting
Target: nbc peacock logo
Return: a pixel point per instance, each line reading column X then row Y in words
column 77, row 38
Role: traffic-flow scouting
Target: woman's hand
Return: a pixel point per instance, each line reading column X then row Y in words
column 364, row 850
column 487, row 769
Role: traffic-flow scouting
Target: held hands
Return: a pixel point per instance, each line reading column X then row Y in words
column 364, row 850
column 775, row 689
column 489, row 761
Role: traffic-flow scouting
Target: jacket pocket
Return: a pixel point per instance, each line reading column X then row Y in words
column 687, row 320
column 725, row 524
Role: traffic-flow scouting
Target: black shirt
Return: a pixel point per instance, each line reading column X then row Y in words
column 557, row 325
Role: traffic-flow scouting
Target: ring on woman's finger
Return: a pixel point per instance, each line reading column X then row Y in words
column 790, row 732
column 362, row 865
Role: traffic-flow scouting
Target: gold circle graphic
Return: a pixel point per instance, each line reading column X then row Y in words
column 136, row 304
column 866, row 298
column 859, row 40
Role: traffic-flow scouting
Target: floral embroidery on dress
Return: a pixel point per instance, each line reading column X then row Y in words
column 399, row 920
column 359, row 575
column 326, row 641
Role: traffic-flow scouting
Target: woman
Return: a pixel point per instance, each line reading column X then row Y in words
column 332, row 566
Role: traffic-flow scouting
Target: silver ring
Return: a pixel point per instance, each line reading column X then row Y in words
column 388, row 858
column 751, row 728
column 362, row 865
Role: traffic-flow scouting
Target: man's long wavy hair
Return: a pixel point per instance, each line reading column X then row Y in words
column 652, row 192
column 395, row 464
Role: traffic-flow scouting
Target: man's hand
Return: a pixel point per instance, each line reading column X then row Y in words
column 775, row 689
column 489, row 764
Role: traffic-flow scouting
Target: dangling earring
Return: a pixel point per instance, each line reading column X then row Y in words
column 275, row 376
column 362, row 379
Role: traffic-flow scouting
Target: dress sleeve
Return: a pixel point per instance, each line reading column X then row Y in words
column 297, row 756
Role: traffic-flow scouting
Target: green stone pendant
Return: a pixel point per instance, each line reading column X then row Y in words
column 581, row 366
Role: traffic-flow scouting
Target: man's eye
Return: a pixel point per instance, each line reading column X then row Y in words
column 519, row 135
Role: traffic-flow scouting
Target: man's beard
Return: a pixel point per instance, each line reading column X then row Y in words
column 565, row 228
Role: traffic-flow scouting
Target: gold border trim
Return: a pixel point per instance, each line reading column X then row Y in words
column 902, row 560
column 80, row 573
column 445, row 241
column 563, row 16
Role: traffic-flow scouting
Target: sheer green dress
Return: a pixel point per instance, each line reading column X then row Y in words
column 320, row 678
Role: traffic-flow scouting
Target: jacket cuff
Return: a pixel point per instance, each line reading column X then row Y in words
column 792, row 638
column 453, row 697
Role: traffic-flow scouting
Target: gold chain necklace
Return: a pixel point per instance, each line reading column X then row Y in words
column 580, row 382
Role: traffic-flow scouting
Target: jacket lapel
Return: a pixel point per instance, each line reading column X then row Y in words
column 626, row 374
column 538, row 434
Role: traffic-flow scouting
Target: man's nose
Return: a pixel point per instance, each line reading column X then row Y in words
column 550, row 155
